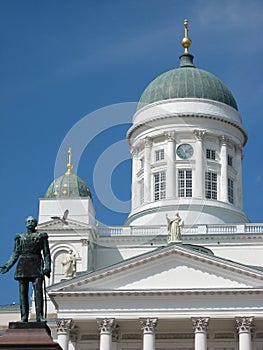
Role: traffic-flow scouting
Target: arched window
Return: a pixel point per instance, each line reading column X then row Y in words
column 58, row 270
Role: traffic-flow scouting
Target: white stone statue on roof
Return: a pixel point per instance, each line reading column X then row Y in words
column 175, row 225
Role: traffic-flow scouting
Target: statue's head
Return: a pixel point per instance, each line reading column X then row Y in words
column 31, row 222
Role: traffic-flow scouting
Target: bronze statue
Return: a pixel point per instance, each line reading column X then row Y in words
column 31, row 267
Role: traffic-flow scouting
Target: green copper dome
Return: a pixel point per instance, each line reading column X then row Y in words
column 68, row 185
column 186, row 81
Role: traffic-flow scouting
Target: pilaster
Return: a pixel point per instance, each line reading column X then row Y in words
column 85, row 253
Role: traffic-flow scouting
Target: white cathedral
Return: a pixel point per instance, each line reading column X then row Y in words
column 158, row 283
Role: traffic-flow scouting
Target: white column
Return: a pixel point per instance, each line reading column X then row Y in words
column 199, row 179
column 238, row 166
column 244, row 328
column 147, row 169
column 200, row 325
column 171, row 184
column 148, row 326
column 224, row 173
column 63, row 328
column 106, row 326
column 135, row 187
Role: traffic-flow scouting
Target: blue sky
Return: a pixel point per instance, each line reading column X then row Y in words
column 61, row 60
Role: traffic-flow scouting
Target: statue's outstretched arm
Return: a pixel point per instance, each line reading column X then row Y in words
column 13, row 258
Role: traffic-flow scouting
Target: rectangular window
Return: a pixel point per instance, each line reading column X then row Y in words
column 159, row 155
column 141, row 191
column 159, row 185
column 210, row 185
column 230, row 186
column 229, row 160
column 184, row 183
column 210, row 154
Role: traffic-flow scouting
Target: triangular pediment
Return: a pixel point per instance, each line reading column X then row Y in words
column 57, row 224
column 174, row 267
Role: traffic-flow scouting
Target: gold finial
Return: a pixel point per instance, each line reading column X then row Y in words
column 69, row 165
column 186, row 41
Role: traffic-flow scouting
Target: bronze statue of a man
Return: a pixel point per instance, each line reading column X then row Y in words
column 34, row 263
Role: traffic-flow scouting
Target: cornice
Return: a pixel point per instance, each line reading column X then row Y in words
column 56, row 225
column 188, row 115
column 159, row 292
column 234, row 238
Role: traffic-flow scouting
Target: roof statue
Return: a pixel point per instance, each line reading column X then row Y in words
column 175, row 225
column 62, row 219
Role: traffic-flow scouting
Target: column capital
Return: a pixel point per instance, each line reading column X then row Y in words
column 199, row 134
column 170, row 136
column 148, row 324
column 134, row 151
column 147, row 141
column 64, row 325
column 106, row 325
column 224, row 140
column 200, row 324
column 244, row 324
column 84, row 242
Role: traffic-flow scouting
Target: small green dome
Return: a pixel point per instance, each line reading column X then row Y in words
column 186, row 81
column 68, row 185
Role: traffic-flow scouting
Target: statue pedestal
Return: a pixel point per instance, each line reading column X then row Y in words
column 28, row 335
